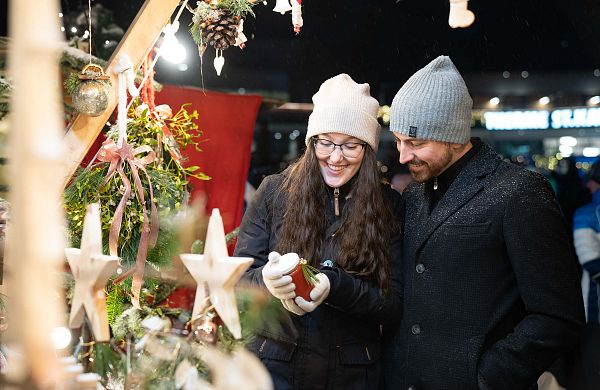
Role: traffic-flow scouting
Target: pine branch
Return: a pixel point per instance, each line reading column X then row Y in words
column 114, row 303
column 239, row 8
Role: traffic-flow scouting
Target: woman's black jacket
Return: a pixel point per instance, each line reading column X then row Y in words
column 338, row 345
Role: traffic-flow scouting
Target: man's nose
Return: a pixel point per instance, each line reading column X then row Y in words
column 406, row 155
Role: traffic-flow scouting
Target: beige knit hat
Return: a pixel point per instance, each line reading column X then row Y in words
column 343, row 106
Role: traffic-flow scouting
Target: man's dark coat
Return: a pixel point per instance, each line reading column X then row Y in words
column 491, row 291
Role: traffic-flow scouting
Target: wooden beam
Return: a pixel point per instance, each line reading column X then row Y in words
column 35, row 241
column 136, row 43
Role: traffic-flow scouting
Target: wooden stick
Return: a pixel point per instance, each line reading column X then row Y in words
column 35, row 236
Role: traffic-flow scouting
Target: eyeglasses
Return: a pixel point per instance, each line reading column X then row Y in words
column 349, row 149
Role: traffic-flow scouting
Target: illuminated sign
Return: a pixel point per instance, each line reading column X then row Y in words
column 516, row 120
column 579, row 117
column 564, row 118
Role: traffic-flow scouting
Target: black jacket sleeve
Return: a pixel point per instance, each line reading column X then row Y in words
column 362, row 298
column 255, row 230
column 541, row 256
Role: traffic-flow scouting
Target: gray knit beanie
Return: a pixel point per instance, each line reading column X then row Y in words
column 343, row 106
column 433, row 104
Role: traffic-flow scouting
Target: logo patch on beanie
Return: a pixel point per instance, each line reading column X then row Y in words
column 412, row 131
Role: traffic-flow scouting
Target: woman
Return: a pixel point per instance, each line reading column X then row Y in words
column 331, row 208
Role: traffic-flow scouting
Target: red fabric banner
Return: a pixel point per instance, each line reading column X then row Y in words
column 227, row 122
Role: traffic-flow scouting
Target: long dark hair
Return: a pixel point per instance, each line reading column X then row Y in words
column 367, row 225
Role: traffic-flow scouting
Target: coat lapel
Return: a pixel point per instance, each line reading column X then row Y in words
column 417, row 211
column 466, row 185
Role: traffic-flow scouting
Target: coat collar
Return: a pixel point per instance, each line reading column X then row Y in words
column 467, row 184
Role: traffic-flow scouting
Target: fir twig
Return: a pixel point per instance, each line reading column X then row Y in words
column 239, row 8
column 309, row 272
column 71, row 83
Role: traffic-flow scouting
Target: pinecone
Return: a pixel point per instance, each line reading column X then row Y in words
column 220, row 30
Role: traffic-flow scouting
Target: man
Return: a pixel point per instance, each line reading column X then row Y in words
column 491, row 294
column 586, row 236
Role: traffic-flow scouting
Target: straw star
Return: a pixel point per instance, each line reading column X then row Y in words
column 91, row 270
column 220, row 272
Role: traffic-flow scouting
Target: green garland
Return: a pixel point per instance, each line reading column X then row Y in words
column 158, row 354
column 168, row 178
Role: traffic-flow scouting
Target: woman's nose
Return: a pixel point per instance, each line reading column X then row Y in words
column 336, row 155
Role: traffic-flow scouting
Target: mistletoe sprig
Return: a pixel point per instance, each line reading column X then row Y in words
column 161, row 128
column 168, row 178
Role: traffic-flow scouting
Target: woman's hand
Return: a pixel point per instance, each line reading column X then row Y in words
column 318, row 294
column 279, row 285
column 292, row 307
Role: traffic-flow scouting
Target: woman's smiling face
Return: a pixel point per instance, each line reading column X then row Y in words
column 336, row 168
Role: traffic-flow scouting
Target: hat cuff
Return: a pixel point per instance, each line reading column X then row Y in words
column 461, row 134
column 344, row 120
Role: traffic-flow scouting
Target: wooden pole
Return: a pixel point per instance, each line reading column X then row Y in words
column 136, row 43
column 35, row 236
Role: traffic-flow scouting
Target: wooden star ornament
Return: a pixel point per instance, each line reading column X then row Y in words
column 91, row 270
column 220, row 272
column 239, row 370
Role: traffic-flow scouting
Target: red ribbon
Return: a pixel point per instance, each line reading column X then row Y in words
column 118, row 157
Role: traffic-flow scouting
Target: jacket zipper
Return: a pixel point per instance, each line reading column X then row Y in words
column 336, row 201
column 435, row 184
column 262, row 345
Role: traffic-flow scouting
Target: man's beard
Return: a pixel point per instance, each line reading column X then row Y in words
column 428, row 170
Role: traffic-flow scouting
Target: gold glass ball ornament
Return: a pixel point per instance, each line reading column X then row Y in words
column 90, row 97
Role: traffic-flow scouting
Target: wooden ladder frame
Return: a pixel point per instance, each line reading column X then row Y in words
column 136, row 43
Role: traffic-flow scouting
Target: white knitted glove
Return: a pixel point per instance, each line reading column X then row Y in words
column 279, row 285
column 318, row 294
column 291, row 306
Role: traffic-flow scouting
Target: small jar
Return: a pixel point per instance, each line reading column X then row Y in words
column 291, row 264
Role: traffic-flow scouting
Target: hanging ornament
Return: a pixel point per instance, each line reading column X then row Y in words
column 240, row 40
column 220, row 24
column 204, row 328
column 282, row 6
column 91, row 271
column 459, row 15
column 91, row 88
column 91, row 95
column 220, row 29
column 297, row 21
column 219, row 61
column 220, row 272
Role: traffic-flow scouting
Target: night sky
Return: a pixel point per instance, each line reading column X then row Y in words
column 384, row 41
